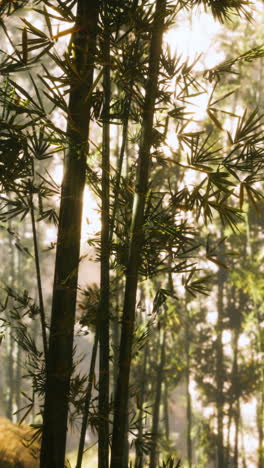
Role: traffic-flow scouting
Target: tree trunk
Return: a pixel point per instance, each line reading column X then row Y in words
column 260, row 396
column 136, row 241
column 20, row 277
column 11, row 342
column 260, row 424
column 219, row 365
column 232, row 306
column 166, row 411
column 156, row 409
column 59, row 367
column 103, row 405
column 115, row 338
column 10, row 376
column 235, row 384
column 230, row 417
column 142, row 388
column 188, row 394
column 18, row 380
column 87, row 402
column 237, row 427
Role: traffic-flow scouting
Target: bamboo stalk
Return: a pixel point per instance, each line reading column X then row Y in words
column 87, row 403
column 136, row 241
column 103, row 323
column 39, row 282
column 59, row 367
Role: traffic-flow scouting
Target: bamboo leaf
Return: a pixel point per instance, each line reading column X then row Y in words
column 23, row 92
column 34, row 30
column 218, row 262
column 251, row 198
column 25, row 45
column 214, row 119
column 48, row 22
column 223, row 97
column 99, row 76
column 66, row 32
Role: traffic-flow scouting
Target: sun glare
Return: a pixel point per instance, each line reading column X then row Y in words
column 212, row 317
column 188, row 38
column 91, row 223
column 195, row 36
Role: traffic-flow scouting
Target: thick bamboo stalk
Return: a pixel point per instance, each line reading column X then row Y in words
column 136, row 241
column 103, row 404
column 59, row 367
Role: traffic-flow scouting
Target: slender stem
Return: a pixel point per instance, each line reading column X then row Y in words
column 11, row 342
column 103, row 404
column 119, row 169
column 20, row 278
column 260, row 426
column 39, row 282
column 237, row 427
column 188, row 394
column 115, row 335
column 136, row 242
column 166, row 411
column 233, row 306
column 127, row 107
column 219, row 365
column 87, row 402
column 142, row 390
column 156, row 409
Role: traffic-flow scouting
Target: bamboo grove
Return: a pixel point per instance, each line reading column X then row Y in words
column 95, row 84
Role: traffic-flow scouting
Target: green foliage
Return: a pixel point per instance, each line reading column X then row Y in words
column 228, row 168
column 90, row 307
column 223, row 9
column 170, row 463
